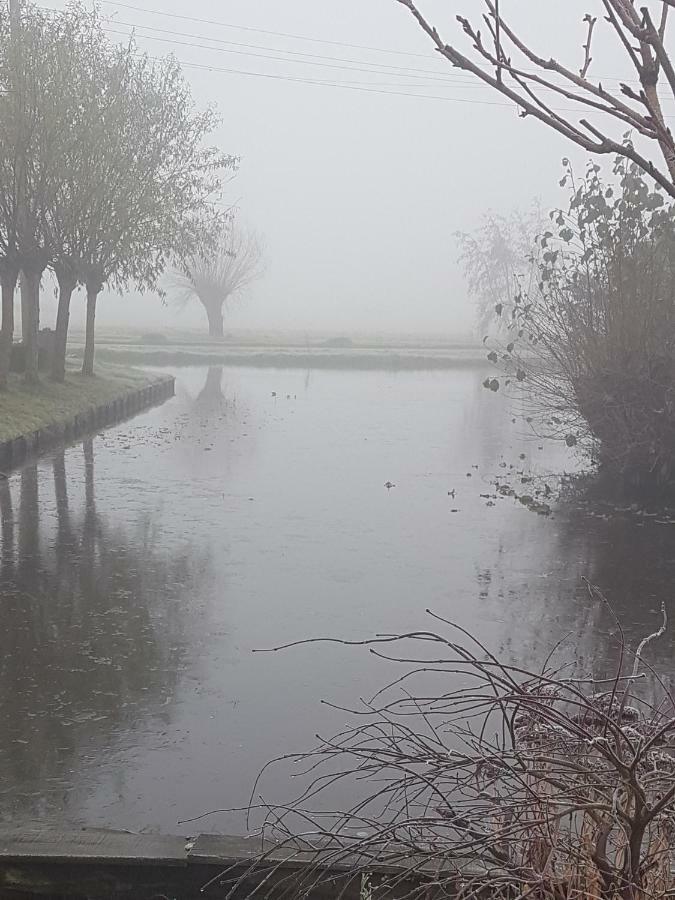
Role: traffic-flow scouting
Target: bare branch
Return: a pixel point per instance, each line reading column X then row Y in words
column 587, row 46
column 639, row 110
column 474, row 784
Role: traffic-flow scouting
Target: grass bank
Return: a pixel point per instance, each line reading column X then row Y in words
column 24, row 409
column 316, row 358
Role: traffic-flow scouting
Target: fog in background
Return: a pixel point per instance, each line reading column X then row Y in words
column 356, row 189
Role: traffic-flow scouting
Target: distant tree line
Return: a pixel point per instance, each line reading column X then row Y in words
column 105, row 176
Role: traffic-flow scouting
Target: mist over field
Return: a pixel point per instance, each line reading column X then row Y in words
column 357, row 190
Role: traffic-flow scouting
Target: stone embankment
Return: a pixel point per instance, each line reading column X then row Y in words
column 130, row 401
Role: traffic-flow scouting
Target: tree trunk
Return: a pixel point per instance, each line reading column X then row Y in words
column 25, row 312
column 88, row 361
column 30, row 313
column 7, row 332
column 66, row 288
column 214, row 313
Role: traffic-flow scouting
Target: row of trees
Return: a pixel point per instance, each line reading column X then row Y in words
column 105, row 177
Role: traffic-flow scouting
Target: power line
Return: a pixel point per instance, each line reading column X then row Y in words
column 425, row 73
column 358, row 86
column 173, row 41
column 323, row 65
column 353, row 87
column 299, row 37
column 338, row 84
column 283, row 34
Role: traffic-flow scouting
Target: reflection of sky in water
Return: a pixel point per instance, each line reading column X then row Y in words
column 139, row 571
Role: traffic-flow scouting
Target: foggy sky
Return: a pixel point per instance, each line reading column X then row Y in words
column 358, row 194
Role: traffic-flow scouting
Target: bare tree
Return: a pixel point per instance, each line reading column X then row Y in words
column 219, row 273
column 501, row 58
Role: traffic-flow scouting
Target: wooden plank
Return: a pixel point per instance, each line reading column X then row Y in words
column 91, row 845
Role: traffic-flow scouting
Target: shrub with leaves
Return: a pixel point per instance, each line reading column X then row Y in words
column 592, row 341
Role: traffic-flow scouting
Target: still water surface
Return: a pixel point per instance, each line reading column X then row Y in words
column 140, row 569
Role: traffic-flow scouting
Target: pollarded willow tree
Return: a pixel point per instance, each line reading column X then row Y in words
column 219, row 272
column 500, row 56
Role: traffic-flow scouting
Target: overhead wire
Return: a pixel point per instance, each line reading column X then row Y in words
column 323, row 65
column 283, row 34
column 326, row 83
column 339, row 84
column 409, row 72
column 363, row 67
column 298, row 37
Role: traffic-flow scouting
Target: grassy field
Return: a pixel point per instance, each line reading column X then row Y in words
column 24, row 410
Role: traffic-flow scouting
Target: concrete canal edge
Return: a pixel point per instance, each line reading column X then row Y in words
column 99, row 864
column 128, row 403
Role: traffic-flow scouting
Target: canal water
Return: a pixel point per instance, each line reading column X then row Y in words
column 141, row 568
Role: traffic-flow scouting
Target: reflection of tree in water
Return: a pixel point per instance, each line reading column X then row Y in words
column 210, row 398
column 93, row 631
column 631, row 561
